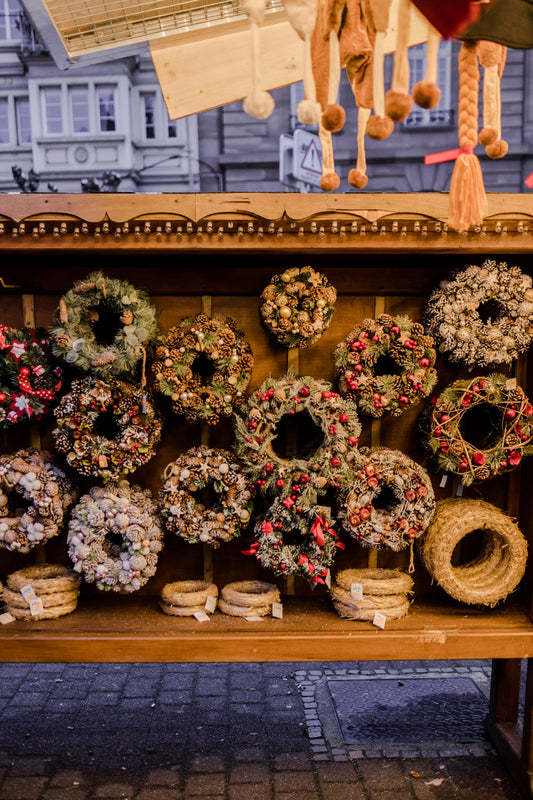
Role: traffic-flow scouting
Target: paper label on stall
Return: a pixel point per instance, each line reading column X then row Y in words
column 210, row 604
column 28, row 593
column 328, row 579
column 459, row 491
column 277, row 610
column 510, row 383
column 201, row 616
column 356, row 591
column 254, row 618
column 36, row 606
column 6, row 618
column 443, row 481
column 379, row 620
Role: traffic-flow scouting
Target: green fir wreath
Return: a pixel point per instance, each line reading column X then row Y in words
column 106, row 429
column 203, row 365
column 332, row 441
column 386, row 365
column 479, row 428
column 186, row 516
column 297, row 306
column 93, row 311
column 29, row 377
column 291, row 539
column 390, row 501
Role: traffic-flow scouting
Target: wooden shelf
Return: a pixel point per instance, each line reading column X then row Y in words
column 119, row 628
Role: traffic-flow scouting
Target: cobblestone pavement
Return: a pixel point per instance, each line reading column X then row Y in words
column 221, row 732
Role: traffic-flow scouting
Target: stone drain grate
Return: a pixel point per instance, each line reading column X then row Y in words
column 380, row 713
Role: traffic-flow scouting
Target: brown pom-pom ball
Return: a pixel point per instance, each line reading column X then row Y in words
column 426, row 94
column 333, row 118
column 488, row 136
column 357, row 179
column 498, row 149
column 379, row 127
column 330, row 182
column 398, row 105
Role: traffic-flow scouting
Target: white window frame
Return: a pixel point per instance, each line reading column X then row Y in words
column 68, row 123
column 13, row 128
column 10, row 11
column 161, row 121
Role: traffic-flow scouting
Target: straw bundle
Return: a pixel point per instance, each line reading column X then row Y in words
column 248, row 598
column 55, row 585
column 186, row 598
column 384, row 591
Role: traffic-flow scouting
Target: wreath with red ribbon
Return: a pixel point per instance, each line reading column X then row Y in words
column 294, row 540
column 29, row 378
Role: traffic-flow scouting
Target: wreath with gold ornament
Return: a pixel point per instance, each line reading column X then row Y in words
column 297, row 306
column 330, row 431
column 390, row 501
column 115, row 537
column 294, row 540
column 483, row 315
column 203, row 365
column 479, row 428
column 103, row 326
column 386, row 365
column 105, row 429
column 29, row 378
column 181, row 508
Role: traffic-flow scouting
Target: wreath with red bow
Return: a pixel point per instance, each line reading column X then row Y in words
column 294, row 540
column 29, row 378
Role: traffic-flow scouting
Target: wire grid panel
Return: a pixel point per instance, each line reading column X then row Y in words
column 89, row 25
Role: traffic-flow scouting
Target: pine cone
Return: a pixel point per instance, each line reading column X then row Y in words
column 482, row 473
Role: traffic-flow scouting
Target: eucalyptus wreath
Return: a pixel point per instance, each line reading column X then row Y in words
column 386, row 365
column 297, row 306
column 500, row 417
column 182, row 511
column 483, row 315
column 90, row 312
column 29, row 377
column 335, row 425
column 106, row 429
column 204, row 365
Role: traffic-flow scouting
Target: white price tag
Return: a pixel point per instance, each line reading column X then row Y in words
column 328, row 579
column 443, row 481
column 253, row 618
column 28, row 593
column 379, row 620
column 210, row 604
column 459, row 491
column 510, row 383
column 36, row 606
column 277, row 610
column 6, row 618
column 201, row 616
column 356, row 591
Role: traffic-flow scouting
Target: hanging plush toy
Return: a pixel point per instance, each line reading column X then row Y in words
column 259, row 103
column 398, row 101
column 302, row 16
column 379, row 125
column 426, row 93
column 492, row 57
column 325, row 57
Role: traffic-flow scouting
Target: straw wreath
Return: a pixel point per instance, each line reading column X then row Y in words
column 186, row 598
column 483, row 315
column 494, row 572
column 505, row 418
column 383, row 590
column 297, row 306
column 248, row 598
column 55, row 585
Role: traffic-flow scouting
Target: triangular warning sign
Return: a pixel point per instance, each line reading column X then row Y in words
column 312, row 159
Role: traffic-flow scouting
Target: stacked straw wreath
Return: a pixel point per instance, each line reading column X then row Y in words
column 186, row 598
column 389, row 502
column 56, row 587
column 359, row 594
column 106, row 429
column 330, row 428
column 114, row 537
column 93, row 310
column 483, row 315
column 297, row 306
column 292, row 540
column 203, row 365
column 29, row 378
column 498, row 566
column 35, row 496
column 248, row 598
column 479, row 428
column 191, row 473
column 386, row 364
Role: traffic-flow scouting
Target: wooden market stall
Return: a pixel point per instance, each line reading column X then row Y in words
column 216, row 253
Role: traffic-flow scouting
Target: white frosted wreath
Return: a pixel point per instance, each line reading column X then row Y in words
column 297, row 306
column 390, row 501
column 185, row 515
column 204, row 365
column 334, row 419
column 483, row 315
column 134, row 429
column 109, row 303
column 35, row 496
column 114, row 537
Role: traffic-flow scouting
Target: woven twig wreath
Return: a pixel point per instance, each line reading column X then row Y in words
column 483, row 315
column 386, row 365
column 29, row 378
column 186, row 598
column 185, row 515
column 504, row 428
column 335, row 427
column 204, row 365
column 32, row 477
column 92, row 309
column 297, row 306
column 389, row 502
column 131, row 428
column 498, row 567
column 292, row 540
column 114, row 537
column 381, row 590
column 248, row 598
